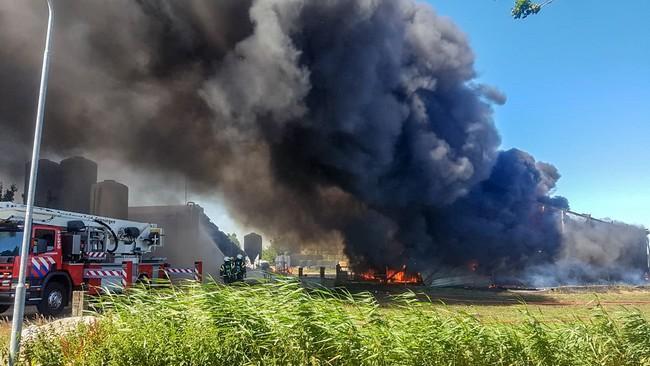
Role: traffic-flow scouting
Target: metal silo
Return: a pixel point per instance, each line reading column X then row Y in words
column 111, row 199
column 253, row 246
column 48, row 185
column 77, row 176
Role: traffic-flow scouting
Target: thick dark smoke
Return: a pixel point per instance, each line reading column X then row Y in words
column 503, row 216
column 318, row 121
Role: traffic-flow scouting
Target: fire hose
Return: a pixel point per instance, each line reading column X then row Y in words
column 112, row 233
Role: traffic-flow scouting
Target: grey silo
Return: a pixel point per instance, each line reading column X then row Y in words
column 253, row 245
column 110, row 199
column 48, row 184
column 78, row 176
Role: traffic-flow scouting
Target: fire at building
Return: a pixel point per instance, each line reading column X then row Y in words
column 374, row 134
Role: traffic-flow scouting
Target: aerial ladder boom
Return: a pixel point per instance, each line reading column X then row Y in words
column 102, row 234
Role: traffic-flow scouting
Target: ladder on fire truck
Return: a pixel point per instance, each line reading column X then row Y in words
column 125, row 237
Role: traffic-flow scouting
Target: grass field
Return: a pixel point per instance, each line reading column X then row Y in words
column 284, row 324
column 554, row 305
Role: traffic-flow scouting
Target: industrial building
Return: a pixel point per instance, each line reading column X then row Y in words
column 189, row 235
column 71, row 185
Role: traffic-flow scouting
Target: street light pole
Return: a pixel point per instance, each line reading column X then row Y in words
column 19, row 302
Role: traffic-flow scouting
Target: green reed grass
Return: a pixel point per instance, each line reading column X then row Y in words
column 282, row 323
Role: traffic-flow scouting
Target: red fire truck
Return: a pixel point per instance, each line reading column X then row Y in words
column 71, row 251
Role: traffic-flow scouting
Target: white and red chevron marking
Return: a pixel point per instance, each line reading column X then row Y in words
column 104, row 273
column 5, row 275
column 96, row 255
column 181, row 270
column 42, row 262
column 192, row 271
column 101, row 273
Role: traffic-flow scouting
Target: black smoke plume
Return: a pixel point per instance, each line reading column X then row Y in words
column 319, row 121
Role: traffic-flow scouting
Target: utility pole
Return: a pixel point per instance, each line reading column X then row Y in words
column 19, row 302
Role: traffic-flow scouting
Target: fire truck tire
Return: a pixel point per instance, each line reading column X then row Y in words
column 4, row 308
column 55, row 298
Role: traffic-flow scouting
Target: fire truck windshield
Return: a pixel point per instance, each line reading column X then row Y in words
column 10, row 242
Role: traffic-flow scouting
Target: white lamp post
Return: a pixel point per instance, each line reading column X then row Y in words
column 19, row 302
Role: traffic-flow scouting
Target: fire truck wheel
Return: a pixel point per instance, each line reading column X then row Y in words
column 55, row 298
column 4, row 308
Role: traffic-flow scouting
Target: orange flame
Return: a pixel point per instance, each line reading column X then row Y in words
column 368, row 275
column 401, row 276
column 394, row 276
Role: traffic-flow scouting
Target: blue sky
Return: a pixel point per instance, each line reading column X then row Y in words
column 577, row 77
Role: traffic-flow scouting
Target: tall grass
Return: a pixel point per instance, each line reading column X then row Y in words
column 284, row 324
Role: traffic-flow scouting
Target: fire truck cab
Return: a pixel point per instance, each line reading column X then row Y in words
column 76, row 251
